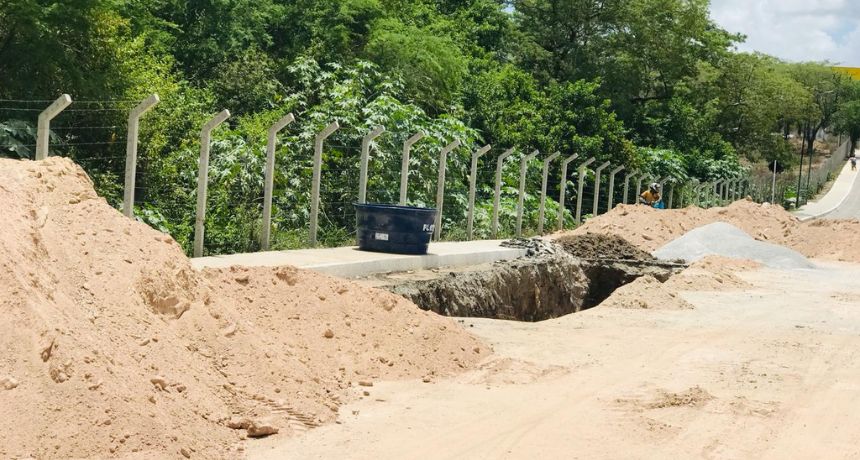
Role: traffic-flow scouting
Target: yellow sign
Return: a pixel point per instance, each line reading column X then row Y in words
column 853, row 71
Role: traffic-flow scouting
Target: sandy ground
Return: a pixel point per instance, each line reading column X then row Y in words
column 113, row 346
column 747, row 373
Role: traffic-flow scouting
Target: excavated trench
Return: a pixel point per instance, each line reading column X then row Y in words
column 552, row 280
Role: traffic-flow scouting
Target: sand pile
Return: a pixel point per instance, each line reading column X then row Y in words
column 650, row 228
column 827, row 239
column 646, row 292
column 114, row 346
column 709, row 273
column 712, row 273
column 722, row 239
column 601, row 246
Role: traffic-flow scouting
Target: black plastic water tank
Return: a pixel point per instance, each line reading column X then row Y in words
column 393, row 228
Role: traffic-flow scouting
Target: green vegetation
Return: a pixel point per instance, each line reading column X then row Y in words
column 653, row 84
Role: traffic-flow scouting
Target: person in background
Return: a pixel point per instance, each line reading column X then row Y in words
column 651, row 196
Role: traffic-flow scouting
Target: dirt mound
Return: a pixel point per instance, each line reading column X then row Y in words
column 827, row 239
column 650, row 228
column 648, row 293
column 712, row 273
column 114, row 346
column 601, row 246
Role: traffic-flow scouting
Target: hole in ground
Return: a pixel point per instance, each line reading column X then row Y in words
column 534, row 288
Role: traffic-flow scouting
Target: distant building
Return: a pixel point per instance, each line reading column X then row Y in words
column 853, row 71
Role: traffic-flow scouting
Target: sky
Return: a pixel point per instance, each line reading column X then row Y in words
column 795, row 30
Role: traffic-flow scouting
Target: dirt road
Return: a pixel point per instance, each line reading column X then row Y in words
column 746, row 374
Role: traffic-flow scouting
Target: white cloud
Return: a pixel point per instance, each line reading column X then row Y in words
column 795, row 30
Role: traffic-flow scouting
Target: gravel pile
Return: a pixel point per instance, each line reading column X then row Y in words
column 534, row 246
column 722, row 239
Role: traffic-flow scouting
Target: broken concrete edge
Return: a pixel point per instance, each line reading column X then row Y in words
column 389, row 264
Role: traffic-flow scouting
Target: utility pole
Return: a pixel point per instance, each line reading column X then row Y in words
column 800, row 170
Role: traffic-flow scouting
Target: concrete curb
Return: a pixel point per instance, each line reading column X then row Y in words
column 410, row 263
column 349, row 262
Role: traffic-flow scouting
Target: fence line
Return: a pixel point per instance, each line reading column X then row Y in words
column 589, row 186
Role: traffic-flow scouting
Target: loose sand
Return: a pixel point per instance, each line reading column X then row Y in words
column 712, row 273
column 647, row 293
column 765, row 372
column 113, row 346
column 651, row 228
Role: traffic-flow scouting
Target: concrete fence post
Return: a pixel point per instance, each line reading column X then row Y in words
column 706, row 191
column 563, row 189
column 473, row 179
column 131, row 152
column 43, row 130
column 404, row 166
column 597, row 186
column 580, row 187
column 627, row 177
column 718, row 190
column 497, row 196
column 317, row 177
column 365, row 157
column 639, row 180
column 611, row 198
column 203, row 179
column 662, row 181
column 671, row 197
column 524, row 164
column 269, row 178
column 440, row 187
column 543, row 184
column 692, row 185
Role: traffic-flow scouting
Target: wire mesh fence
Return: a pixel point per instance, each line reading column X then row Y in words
column 236, row 187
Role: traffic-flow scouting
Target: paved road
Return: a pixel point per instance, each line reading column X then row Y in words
column 850, row 208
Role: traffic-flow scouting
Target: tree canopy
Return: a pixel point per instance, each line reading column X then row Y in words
column 650, row 83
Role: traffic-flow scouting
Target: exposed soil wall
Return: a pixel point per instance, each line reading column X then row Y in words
column 527, row 289
column 553, row 280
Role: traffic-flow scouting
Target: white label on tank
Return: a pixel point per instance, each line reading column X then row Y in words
column 381, row 236
column 429, row 227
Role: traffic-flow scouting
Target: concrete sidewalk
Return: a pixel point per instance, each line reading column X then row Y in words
column 841, row 189
column 350, row 262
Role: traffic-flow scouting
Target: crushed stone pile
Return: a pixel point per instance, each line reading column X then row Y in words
column 602, row 246
column 722, row 239
column 113, row 346
column 650, row 228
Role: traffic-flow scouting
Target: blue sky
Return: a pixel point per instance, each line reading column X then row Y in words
column 795, row 30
